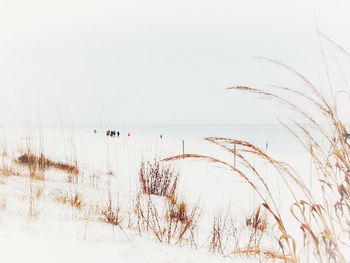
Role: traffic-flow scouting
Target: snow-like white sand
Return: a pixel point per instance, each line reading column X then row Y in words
column 59, row 233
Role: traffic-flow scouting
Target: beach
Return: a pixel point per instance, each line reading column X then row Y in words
column 109, row 172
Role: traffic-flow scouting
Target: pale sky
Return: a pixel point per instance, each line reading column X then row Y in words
column 157, row 61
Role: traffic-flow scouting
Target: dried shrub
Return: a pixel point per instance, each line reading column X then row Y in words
column 157, row 178
column 41, row 163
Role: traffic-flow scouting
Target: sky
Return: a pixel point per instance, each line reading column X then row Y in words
column 160, row 61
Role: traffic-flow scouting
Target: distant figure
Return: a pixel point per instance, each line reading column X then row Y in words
column 95, row 131
column 128, row 134
column 108, row 133
column 112, row 133
column 161, row 136
column 118, row 133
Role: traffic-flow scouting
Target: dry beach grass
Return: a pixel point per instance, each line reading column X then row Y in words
column 323, row 220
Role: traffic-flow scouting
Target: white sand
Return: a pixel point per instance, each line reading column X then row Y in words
column 62, row 234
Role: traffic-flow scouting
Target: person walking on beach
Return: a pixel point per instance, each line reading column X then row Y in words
column 118, row 133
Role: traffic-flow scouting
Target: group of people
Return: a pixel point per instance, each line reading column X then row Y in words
column 112, row 133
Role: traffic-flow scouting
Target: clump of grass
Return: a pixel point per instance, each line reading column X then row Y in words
column 157, row 178
column 171, row 222
column 113, row 217
column 9, row 171
column 257, row 221
column 224, row 234
column 41, row 162
column 36, row 165
column 177, row 210
column 110, row 216
column 74, row 200
column 216, row 237
column 176, row 223
column 182, row 221
column 258, row 225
